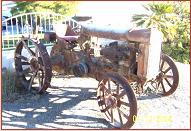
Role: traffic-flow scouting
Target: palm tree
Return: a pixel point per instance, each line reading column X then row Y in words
column 173, row 20
column 161, row 15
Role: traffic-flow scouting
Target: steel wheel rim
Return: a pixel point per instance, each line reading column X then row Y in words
column 121, row 113
column 32, row 68
column 168, row 77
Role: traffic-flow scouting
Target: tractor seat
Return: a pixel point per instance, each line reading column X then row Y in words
column 65, row 33
column 52, row 36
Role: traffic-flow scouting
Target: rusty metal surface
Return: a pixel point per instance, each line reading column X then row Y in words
column 168, row 74
column 123, row 58
column 61, row 58
column 117, row 100
column 127, row 59
column 85, row 62
column 117, row 33
column 76, row 54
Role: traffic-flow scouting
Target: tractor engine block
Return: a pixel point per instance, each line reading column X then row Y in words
column 122, row 56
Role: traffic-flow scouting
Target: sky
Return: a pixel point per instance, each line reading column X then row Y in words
column 112, row 12
column 106, row 12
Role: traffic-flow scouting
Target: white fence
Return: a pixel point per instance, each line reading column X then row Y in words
column 29, row 24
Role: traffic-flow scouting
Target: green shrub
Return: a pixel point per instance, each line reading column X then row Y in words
column 179, row 54
column 173, row 20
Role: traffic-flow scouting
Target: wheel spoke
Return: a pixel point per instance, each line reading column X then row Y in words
column 168, row 82
column 121, row 94
column 120, row 118
column 167, row 70
column 41, row 67
column 106, row 109
column 162, row 64
column 40, row 61
column 21, row 57
column 24, row 84
column 36, row 52
column 25, row 71
column 41, row 64
column 124, row 103
column 39, row 80
column 111, row 114
column 163, row 87
column 126, row 116
column 25, row 63
column 117, row 89
column 107, row 90
column 109, row 86
column 28, row 49
column 117, row 106
column 168, row 76
column 31, row 80
column 158, row 84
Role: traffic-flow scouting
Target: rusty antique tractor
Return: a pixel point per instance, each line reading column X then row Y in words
column 135, row 57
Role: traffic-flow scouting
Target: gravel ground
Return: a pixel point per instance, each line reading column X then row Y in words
column 71, row 104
